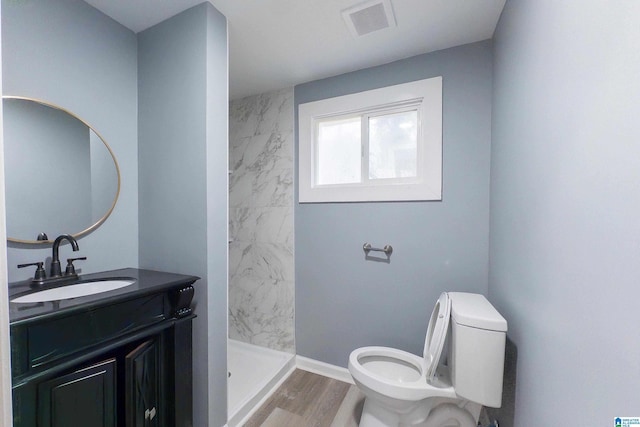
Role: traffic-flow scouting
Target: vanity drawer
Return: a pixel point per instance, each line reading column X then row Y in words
column 45, row 342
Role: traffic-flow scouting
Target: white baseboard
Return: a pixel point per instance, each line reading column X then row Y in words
column 325, row 369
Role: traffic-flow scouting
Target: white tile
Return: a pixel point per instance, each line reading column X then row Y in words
column 261, row 312
column 261, row 257
column 265, row 225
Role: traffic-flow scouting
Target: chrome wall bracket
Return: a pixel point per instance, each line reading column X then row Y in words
column 388, row 250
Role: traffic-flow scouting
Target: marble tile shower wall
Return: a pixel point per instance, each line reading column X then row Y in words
column 261, row 267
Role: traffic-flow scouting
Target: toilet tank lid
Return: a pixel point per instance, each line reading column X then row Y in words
column 475, row 311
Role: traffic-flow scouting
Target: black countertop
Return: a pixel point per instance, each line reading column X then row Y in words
column 146, row 282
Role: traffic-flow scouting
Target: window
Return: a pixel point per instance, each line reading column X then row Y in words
column 379, row 145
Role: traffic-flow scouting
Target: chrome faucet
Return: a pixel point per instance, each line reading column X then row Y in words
column 56, row 271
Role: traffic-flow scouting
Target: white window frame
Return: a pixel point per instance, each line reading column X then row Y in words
column 425, row 96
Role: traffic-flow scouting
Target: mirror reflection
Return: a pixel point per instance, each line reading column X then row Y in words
column 60, row 175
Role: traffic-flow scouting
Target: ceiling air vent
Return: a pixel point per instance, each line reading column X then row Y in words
column 370, row 16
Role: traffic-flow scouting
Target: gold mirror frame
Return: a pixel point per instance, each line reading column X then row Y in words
column 113, row 157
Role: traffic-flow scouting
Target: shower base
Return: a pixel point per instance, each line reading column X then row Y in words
column 255, row 372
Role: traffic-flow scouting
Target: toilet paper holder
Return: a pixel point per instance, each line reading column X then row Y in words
column 367, row 248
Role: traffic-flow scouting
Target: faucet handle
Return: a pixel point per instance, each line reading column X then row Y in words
column 40, row 273
column 71, row 270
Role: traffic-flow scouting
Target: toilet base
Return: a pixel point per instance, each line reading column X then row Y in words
column 377, row 416
column 422, row 415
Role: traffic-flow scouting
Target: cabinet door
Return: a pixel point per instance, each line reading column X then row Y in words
column 84, row 398
column 141, row 390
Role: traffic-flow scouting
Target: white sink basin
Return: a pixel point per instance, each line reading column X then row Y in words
column 73, row 291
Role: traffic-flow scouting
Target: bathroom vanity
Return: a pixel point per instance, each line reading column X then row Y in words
column 113, row 359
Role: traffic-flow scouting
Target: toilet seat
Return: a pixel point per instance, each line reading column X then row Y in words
column 404, row 375
column 381, row 368
column 436, row 334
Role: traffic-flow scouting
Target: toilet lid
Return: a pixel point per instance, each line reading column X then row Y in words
column 436, row 334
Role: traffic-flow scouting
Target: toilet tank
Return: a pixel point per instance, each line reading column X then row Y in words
column 476, row 358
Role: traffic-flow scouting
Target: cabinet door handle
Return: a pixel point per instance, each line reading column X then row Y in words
column 150, row 414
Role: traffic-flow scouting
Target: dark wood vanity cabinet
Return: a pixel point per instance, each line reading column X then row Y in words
column 126, row 363
column 142, row 386
column 90, row 395
column 86, row 397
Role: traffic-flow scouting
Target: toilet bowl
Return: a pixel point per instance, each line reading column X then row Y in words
column 402, row 389
column 397, row 393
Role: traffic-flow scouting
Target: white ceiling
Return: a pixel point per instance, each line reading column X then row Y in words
column 275, row 44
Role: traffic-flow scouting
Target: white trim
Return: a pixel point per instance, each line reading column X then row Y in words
column 5, row 347
column 324, row 369
column 425, row 94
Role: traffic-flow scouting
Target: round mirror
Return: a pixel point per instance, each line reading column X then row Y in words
column 61, row 177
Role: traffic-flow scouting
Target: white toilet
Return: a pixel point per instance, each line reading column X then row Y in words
column 402, row 389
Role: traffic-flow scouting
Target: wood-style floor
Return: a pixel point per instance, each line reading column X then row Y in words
column 310, row 400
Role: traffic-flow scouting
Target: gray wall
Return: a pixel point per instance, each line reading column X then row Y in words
column 565, row 203
column 68, row 53
column 217, row 159
column 183, row 118
column 342, row 300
